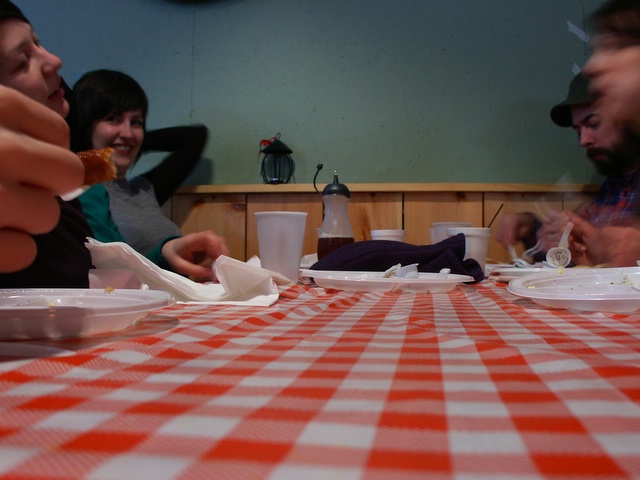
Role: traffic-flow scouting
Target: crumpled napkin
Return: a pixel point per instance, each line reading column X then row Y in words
column 240, row 283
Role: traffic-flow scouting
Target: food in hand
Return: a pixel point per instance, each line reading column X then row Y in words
column 98, row 165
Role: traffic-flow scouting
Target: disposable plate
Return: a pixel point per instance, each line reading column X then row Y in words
column 507, row 273
column 583, row 289
column 375, row 282
column 55, row 313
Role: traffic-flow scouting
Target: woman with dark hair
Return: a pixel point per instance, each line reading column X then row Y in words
column 111, row 112
column 62, row 259
column 55, row 254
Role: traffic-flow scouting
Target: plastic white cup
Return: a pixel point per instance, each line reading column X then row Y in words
column 440, row 230
column 280, row 239
column 396, row 235
column 476, row 242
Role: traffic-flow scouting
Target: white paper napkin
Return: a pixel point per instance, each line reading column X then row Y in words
column 240, row 282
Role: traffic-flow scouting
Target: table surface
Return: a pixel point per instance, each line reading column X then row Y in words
column 473, row 383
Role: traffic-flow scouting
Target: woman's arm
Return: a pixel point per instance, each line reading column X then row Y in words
column 95, row 204
column 186, row 144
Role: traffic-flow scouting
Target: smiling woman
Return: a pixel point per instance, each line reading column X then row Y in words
column 112, row 111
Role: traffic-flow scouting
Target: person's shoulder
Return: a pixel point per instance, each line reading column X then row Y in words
column 97, row 190
column 94, row 196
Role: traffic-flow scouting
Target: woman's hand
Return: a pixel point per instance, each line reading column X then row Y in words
column 35, row 166
column 193, row 254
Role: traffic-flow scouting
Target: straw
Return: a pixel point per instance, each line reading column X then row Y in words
column 494, row 217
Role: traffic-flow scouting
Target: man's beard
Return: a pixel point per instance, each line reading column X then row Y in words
column 620, row 160
column 607, row 162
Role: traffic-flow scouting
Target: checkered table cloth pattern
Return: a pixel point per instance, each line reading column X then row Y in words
column 474, row 383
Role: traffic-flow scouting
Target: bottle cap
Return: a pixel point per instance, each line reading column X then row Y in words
column 336, row 188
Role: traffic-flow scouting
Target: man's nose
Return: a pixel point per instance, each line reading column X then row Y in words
column 587, row 138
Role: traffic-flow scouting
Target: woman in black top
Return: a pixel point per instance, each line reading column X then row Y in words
column 62, row 260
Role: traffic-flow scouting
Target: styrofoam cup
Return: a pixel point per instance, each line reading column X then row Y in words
column 397, row 235
column 440, row 229
column 280, row 240
column 476, row 242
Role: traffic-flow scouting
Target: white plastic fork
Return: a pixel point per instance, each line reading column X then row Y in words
column 530, row 252
column 517, row 262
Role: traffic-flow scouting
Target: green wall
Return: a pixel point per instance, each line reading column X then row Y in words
column 381, row 90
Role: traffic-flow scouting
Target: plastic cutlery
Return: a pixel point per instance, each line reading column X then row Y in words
column 560, row 256
column 517, row 262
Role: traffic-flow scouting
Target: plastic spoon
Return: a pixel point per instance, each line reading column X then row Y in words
column 444, row 273
column 560, row 256
column 408, row 271
column 391, row 271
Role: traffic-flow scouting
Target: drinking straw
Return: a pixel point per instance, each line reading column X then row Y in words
column 494, row 217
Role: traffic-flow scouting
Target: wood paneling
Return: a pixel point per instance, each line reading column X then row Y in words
column 230, row 212
column 422, row 209
column 374, row 210
column 225, row 214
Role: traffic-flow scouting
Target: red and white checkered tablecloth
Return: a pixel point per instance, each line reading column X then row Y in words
column 473, row 383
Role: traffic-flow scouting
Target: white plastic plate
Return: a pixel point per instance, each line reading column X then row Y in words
column 583, row 289
column 507, row 273
column 375, row 282
column 55, row 313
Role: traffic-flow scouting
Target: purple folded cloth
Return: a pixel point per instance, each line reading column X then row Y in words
column 379, row 255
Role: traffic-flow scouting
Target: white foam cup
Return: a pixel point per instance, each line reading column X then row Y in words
column 390, row 234
column 476, row 242
column 280, row 240
column 440, row 229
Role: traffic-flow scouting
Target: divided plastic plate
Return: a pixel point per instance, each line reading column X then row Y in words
column 56, row 313
column 583, row 289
